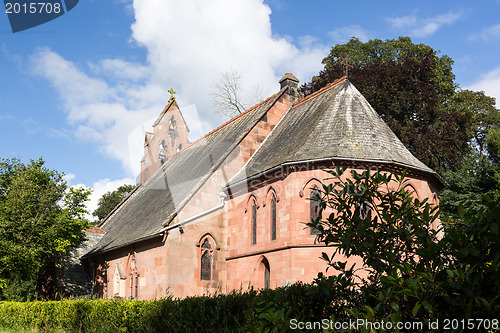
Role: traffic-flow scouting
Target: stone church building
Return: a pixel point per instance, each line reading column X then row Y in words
column 228, row 211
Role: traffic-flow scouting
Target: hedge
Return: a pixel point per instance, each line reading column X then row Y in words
column 267, row 310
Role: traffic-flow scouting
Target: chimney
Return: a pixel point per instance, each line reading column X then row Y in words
column 289, row 80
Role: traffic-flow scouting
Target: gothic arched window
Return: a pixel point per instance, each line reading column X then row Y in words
column 314, row 207
column 273, row 217
column 264, row 266
column 206, row 260
column 254, row 222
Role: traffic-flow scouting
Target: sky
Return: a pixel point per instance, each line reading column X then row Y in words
column 81, row 90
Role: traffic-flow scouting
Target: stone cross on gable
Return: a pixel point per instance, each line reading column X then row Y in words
column 172, row 92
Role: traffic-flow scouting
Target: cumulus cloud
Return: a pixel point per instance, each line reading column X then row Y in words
column 423, row 27
column 487, row 34
column 122, row 70
column 189, row 44
column 490, row 84
column 99, row 112
column 99, row 188
column 69, row 177
column 344, row 34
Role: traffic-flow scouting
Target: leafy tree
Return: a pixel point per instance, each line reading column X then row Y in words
column 407, row 84
column 110, row 200
column 479, row 171
column 40, row 218
column 414, row 270
column 413, row 90
column 493, row 144
column 361, row 54
column 468, row 183
column 481, row 111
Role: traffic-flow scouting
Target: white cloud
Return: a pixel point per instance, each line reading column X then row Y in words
column 99, row 112
column 344, row 34
column 120, row 69
column 69, row 177
column 99, row 188
column 189, row 44
column 423, row 27
column 490, row 84
column 487, row 34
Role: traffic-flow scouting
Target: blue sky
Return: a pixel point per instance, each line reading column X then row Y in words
column 81, row 90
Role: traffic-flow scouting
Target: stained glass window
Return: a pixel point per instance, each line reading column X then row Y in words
column 206, row 260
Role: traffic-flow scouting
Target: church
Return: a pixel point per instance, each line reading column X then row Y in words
column 228, row 211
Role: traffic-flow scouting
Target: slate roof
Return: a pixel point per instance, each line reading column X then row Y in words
column 336, row 122
column 153, row 205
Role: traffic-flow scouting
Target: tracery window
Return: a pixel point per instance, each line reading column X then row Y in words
column 206, row 260
column 273, row 217
column 314, row 207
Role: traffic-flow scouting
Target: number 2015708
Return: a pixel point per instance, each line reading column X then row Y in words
column 32, row 8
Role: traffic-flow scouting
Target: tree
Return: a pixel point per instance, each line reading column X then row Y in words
column 481, row 111
column 40, row 218
column 415, row 272
column 110, row 200
column 403, row 93
column 468, row 183
column 493, row 144
column 413, row 90
column 229, row 97
column 226, row 94
column 361, row 54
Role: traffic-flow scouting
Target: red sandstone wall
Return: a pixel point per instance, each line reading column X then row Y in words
column 172, row 266
column 293, row 256
column 161, row 132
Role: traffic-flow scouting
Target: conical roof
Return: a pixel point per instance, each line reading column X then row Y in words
column 336, row 122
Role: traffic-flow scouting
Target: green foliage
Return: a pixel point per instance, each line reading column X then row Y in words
column 412, row 87
column 40, row 218
column 468, row 183
column 409, row 85
column 412, row 270
column 481, row 111
column 110, row 200
column 264, row 311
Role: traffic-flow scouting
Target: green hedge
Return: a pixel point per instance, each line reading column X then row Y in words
column 247, row 312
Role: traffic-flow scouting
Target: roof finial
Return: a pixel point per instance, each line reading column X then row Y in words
column 172, row 97
column 346, row 65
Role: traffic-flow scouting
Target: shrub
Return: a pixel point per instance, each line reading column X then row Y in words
column 251, row 311
column 415, row 272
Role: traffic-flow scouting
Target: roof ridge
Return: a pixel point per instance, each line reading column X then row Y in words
column 191, row 144
column 322, row 90
column 229, row 121
column 165, row 110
